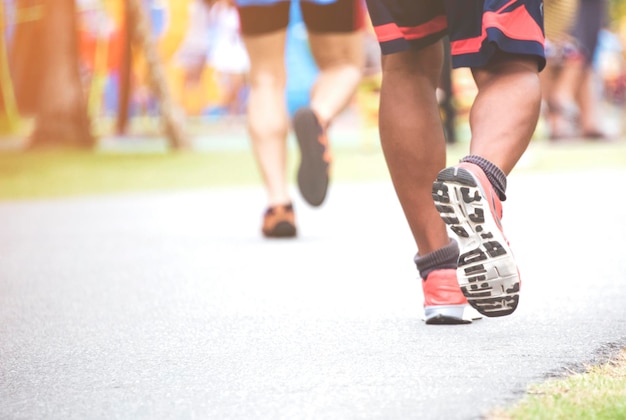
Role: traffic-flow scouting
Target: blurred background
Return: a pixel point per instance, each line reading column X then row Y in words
column 112, row 75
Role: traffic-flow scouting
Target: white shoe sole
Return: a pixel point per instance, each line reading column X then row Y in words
column 487, row 272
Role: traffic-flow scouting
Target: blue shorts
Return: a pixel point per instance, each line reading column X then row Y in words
column 589, row 21
column 477, row 29
column 259, row 17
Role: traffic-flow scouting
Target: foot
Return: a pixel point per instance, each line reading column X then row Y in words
column 595, row 135
column 487, row 271
column 279, row 222
column 313, row 173
column 443, row 301
column 563, row 120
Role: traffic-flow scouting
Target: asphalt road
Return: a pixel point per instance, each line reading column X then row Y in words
column 171, row 305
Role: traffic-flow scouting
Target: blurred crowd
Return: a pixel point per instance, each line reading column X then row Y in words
column 207, row 65
column 213, row 40
column 586, row 69
column 579, row 76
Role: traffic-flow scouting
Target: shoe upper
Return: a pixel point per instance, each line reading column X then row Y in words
column 442, row 288
column 279, row 221
column 495, row 204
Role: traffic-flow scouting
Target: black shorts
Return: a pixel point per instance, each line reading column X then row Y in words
column 477, row 29
column 341, row 16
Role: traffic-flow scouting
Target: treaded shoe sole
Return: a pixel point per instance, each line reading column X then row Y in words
column 487, row 272
column 446, row 315
column 313, row 170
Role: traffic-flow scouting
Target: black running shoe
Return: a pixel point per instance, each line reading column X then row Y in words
column 315, row 159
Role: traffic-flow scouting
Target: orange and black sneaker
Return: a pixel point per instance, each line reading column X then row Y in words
column 487, row 272
column 444, row 302
column 279, row 222
column 315, row 158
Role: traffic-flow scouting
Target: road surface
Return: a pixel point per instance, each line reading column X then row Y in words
column 171, row 305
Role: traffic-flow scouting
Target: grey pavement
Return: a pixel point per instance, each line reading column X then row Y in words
column 171, row 306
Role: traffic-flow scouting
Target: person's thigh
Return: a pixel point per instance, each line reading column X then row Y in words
column 267, row 56
column 337, row 16
column 334, row 30
column 337, row 49
column 257, row 18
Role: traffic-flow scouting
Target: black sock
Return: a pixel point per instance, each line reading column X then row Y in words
column 446, row 257
column 493, row 173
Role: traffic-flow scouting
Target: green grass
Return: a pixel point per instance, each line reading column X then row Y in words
column 58, row 173
column 546, row 156
column 598, row 393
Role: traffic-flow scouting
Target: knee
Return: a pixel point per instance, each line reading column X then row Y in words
column 508, row 64
column 519, row 70
column 415, row 66
column 275, row 79
column 338, row 50
column 347, row 58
